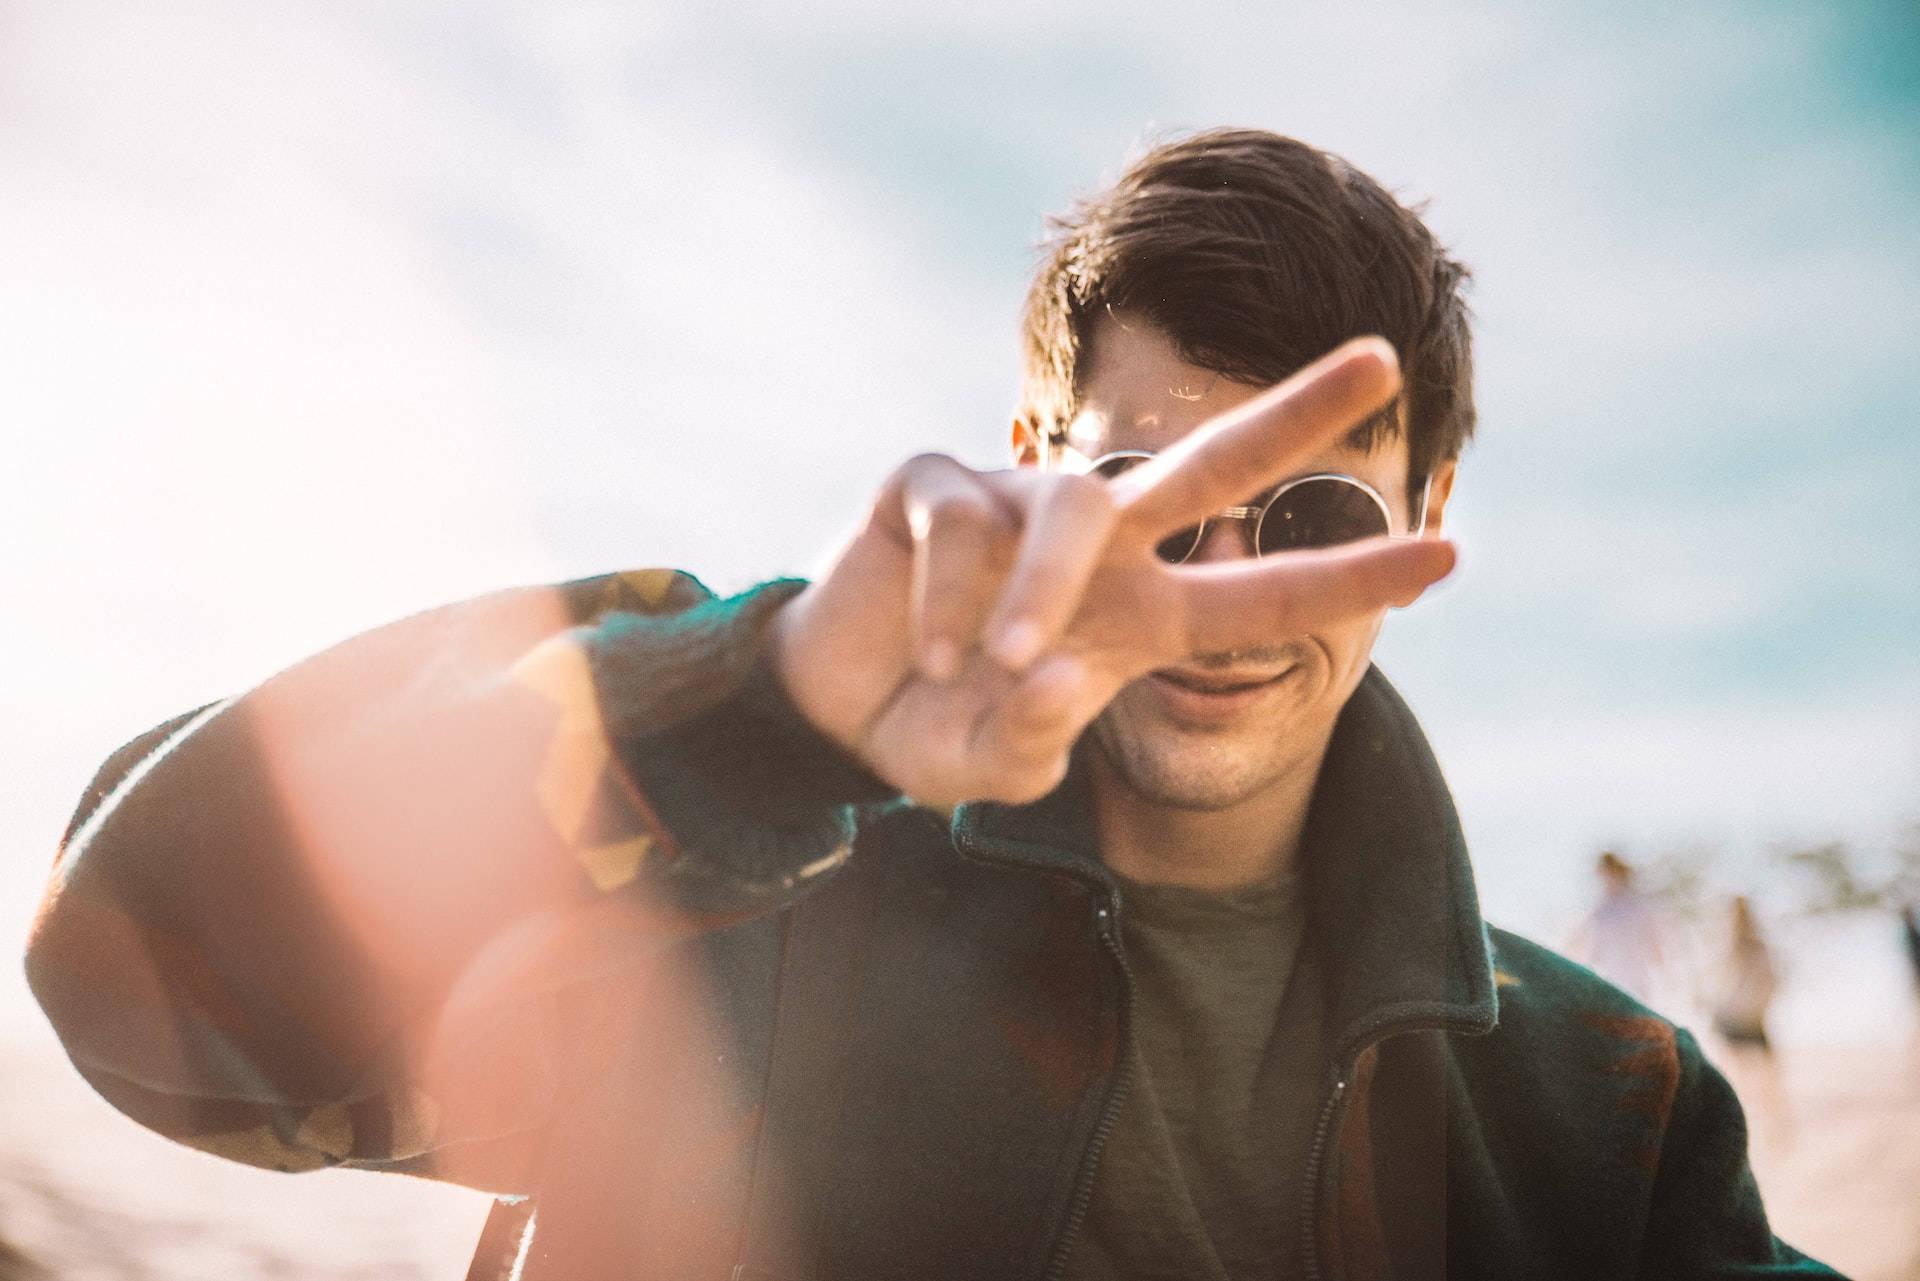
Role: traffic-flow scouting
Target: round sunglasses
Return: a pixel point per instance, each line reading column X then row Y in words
column 1325, row 509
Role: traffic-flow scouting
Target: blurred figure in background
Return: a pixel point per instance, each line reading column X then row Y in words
column 1910, row 927
column 15, row 1266
column 1745, row 982
column 1620, row 939
column 1910, row 932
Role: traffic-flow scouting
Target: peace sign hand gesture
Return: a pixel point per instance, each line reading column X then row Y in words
column 978, row 621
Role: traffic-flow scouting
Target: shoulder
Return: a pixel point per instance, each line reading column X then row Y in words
column 1595, row 1109
column 1536, row 982
column 1578, row 1051
column 1570, row 1017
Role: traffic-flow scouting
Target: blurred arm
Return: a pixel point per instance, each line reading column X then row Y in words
column 357, row 916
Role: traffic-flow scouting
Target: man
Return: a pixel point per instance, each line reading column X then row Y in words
column 608, row 896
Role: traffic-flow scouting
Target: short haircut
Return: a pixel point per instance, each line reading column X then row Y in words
column 1255, row 254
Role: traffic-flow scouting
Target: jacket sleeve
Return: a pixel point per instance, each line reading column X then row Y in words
column 358, row 916
column 1707, row 1219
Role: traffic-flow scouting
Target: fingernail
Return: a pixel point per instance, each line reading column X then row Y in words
column 1017, row 645
column 941, row 660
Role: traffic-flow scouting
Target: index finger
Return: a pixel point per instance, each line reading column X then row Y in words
column 1257, row 444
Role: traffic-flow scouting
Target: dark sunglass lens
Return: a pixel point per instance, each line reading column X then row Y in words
column 1320, row 513
column 1111, row 466
column 1179, row 545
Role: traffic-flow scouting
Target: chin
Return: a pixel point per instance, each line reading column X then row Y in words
column 1179, row 769
column 1177, row 751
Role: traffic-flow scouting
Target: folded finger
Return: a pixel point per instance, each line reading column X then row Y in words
column 961, row 539
column 1068, row 522
column 1021, row 747
column 1235, row 455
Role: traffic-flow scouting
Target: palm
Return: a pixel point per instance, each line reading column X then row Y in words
column 986, row 731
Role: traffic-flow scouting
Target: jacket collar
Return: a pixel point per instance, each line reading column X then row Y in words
column 1391, row 895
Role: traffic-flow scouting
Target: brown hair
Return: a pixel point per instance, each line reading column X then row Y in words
column 1254, row 254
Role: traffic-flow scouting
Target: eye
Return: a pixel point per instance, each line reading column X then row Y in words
column 1321, row 511
column 1114, row 464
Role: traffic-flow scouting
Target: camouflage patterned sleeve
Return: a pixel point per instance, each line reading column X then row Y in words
column 358, row 916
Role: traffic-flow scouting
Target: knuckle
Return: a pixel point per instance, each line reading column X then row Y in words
column 926, row 465
column 958, row 512
column 1089, row 497
column 924, row 477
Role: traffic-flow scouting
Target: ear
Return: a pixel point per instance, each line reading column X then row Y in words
column 1438, row 494
column 1029, row 446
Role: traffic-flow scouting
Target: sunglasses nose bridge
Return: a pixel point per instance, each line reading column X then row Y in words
column 1239, row 525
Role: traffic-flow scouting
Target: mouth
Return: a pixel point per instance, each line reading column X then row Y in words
column 1220, row 683
column 1217, row 699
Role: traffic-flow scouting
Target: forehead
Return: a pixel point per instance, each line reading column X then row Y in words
column 1137, row 392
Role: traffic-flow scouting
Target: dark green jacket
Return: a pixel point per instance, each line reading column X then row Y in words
column 898, row 1063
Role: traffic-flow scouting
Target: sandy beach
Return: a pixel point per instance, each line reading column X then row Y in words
column 93, row 1197
column 1841, row 1175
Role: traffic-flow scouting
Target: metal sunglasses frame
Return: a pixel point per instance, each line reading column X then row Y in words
column 1257, row 514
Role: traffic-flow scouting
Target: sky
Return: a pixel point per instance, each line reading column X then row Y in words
column 319, row 314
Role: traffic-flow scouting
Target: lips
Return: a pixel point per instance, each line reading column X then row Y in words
column 1218, row 683
column 1216, row 700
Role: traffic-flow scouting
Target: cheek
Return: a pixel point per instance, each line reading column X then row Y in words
column 1349, row 645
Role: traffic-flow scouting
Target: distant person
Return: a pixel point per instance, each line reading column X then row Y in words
column 15, row 1266
column 1745, row 981
column 1910, row 935
column 1620, row 939
column 1910, row 928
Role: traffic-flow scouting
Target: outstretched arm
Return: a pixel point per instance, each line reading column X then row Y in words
column 353, row 916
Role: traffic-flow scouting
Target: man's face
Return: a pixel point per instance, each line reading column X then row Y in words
column 1217, row 730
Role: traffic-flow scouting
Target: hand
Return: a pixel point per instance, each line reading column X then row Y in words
column 980, row 620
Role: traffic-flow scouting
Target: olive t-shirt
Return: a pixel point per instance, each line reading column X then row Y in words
column 1202, row 1175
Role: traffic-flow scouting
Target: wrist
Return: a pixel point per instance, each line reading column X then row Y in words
column 790, row 659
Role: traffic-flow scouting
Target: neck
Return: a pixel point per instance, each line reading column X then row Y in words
column 1251, row 840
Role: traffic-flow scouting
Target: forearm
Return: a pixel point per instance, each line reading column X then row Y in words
column 402, row 849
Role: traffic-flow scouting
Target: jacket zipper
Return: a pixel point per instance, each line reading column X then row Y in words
column 1330, row 1114
column 1110, row 1114
column 1310, row 1203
